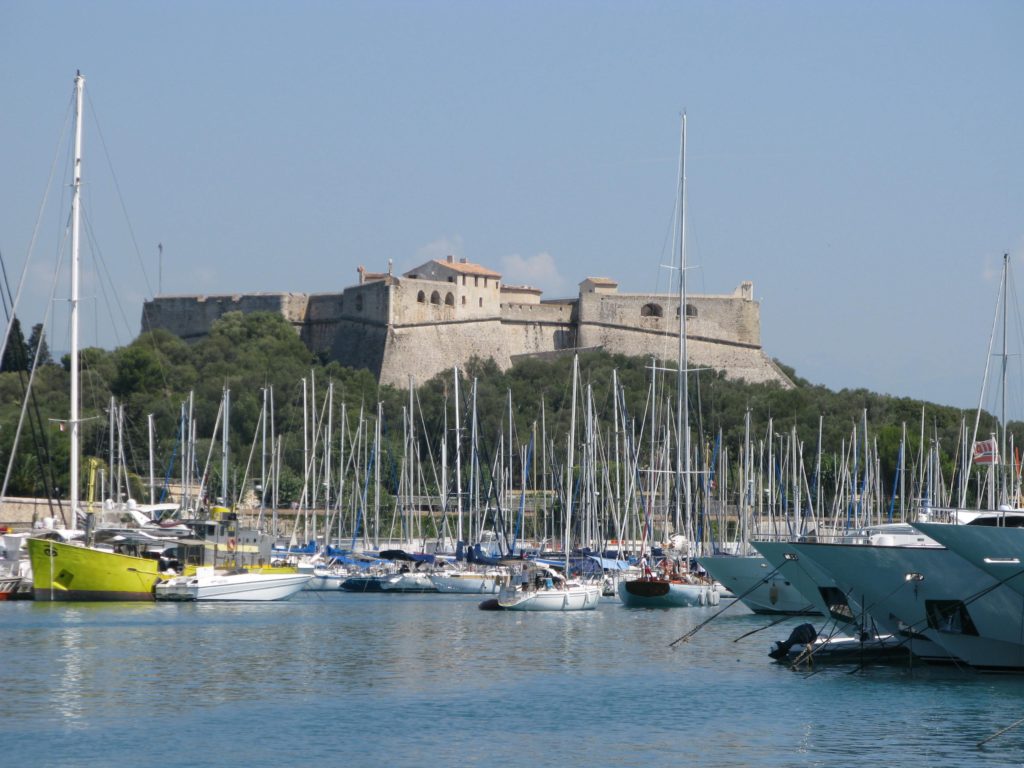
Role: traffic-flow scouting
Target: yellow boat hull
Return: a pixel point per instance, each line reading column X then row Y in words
column 67, row 572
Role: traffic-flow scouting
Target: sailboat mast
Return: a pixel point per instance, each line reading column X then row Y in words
column 568, row 464
column 458, row 459
column 1002, row 406
column 76, row 192
column 682, row 383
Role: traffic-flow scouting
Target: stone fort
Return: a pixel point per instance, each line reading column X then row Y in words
column 445, row 312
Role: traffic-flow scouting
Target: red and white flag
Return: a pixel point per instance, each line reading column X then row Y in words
column 986, row 452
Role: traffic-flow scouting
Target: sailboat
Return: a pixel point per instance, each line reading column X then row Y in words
column 673, row 585
column 538, row 587
column 63, row 569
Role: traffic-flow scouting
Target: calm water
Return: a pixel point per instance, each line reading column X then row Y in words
column 429, row 679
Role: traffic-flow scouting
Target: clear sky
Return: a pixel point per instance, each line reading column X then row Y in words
column 862, row 163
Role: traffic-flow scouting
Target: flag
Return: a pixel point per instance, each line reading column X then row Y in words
column 986, row 452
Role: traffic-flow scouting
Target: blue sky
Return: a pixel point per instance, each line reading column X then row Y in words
column 862, row 163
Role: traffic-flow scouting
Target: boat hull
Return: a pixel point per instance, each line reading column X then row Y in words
column 65, row 572
column 9, row 586
column 661, row 593
column 465, row 583
column 407, row 582
column 760, row 587
column 232, row 587
column 936, row 593
column 575, row 598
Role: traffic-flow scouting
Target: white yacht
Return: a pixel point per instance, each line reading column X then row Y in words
column 544, row 589
column 209, row 584
column 932, row 591
column 757, row 584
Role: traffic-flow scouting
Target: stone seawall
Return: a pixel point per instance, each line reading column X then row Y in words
column 19, row 513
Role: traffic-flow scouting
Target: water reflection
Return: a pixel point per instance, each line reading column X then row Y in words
column 326, row 674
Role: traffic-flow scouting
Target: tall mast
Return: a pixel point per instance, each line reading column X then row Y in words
column 76, row 192
column 458, row 459
column 682, row 383
column 1003, row 460
column 568, row 465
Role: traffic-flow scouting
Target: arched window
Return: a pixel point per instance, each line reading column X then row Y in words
column 651, row 310
column 421, row 297
column 691, row 311
column 359, row 302
column 435, row 298
column 449, row 300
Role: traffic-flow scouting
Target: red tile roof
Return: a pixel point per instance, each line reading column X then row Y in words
column 466, row 268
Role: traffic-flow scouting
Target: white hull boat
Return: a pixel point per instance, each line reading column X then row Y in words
column 539, row 588
column 934, row 592
column 466, row 583
column 567, row 597
column 997, row 550
column 760, row 587
column 407, row 582
column 208, row 585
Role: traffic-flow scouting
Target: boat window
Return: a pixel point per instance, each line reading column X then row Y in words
column 949, row 616
column 838, row 608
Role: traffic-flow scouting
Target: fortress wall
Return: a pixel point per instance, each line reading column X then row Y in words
column 738, row 361
column 745, row 363
column 367, row 303
column 561, row 313
column 426, row 350
column 191, row 317
column 730, row 318
column 359, row 345
column 726, row 317
column 323, row 314
column 381, row 326
column 469, row 301
column 535, row 328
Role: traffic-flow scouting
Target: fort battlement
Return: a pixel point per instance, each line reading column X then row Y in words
column 445, row 312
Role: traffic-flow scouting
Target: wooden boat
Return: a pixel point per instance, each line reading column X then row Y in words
column 668, row 587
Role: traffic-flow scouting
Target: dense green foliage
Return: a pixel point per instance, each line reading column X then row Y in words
column 248, row 353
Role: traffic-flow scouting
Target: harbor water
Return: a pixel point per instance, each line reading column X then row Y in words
column 378, row 679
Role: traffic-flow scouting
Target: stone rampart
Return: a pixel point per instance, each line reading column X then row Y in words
column 397, row 327
column 191, row 317
column 423, row 351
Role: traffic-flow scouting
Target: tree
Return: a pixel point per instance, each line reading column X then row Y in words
column 16, row 352
column 38, row 349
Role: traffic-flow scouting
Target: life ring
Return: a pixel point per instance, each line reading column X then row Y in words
column 231, row 545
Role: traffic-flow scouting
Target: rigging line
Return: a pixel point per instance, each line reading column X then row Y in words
column 1000, row 732
column 739, row 598
column 104, row 279
column 768, row 626
column 41, row 457
column 39, row 218
column 117, row 188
